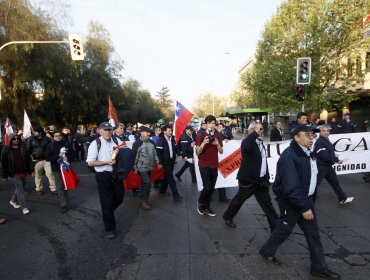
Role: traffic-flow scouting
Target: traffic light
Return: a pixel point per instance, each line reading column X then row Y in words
column 75, row 44
column 300, row 93
column 303, row 70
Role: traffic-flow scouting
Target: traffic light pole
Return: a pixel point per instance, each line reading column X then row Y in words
column 33, row 42
column 304, row 96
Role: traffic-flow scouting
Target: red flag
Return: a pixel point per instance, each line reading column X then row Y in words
column 112, row 115
column 8, row 129
column 182, row 118
column 133, row 180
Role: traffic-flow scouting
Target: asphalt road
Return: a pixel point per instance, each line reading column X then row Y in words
column 172, row 241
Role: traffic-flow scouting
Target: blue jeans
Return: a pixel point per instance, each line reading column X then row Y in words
column 145, row 184
column 18, row 195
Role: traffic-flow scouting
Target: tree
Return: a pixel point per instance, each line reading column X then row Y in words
column 166, row 103
column 208, row 104
column 138, row 105
column 328, row 31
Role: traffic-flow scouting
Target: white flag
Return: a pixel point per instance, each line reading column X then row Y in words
column 26, row 126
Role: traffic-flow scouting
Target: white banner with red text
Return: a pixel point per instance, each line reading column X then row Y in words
column 352, row 149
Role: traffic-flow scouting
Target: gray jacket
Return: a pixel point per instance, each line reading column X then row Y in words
column 144, row 155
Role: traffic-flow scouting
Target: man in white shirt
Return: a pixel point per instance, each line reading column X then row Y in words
column 111, row 192
column 294, row 187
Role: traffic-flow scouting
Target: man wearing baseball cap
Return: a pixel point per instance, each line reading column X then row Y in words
column 110, row 187
column 294, row 187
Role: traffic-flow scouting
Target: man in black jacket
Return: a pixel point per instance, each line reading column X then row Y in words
column 57, row 149
column 16, row 165
column 325, row 154
column 166, row 150
column 276, row 133
column 294, row 186
column 36, row 146
column 187, row 144
column 253, row 177
column 347, row 125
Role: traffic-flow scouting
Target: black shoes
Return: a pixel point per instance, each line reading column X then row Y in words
column 327, row 274
column 200, row 208
column 54, row 192
column 209, row 212
column 229, row 222
column 178, row 177
column 270, row 260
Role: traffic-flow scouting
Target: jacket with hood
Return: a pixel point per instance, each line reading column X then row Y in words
column 7, row 159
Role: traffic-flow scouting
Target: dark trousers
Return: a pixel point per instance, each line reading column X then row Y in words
column 111, row 193
column 191, row 168
column 209, row 178
column 222, row 193
column 328, row 173
column 263, row 198
column 284, row 226
column 62, row 193
column 169, row 180
column 80, row 151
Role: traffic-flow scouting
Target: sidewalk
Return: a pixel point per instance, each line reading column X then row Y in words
column 172, row 241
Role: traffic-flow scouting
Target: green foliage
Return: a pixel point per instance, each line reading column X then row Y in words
column 328, row 31
column 208, row 104
column 43, row 79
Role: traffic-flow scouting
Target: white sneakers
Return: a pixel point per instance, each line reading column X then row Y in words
column 25, row 211
column 14, row 204
column 347, row 200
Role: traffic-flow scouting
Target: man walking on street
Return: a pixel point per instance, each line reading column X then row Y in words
column 277, row 133
column 253, row 178
column 208, row 145
column 347, row 125
column 144, row 156
column 325, row 154
column 57, row 149
column 102, row 156
column 16, row 165
column 166, row 150
column 36, row 146
column 294, row 187
column 187, row 153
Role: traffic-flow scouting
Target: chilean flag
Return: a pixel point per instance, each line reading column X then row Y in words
column 182, row 118
column 8, row 129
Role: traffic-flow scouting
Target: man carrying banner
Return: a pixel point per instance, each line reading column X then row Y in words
column 208, row 145
column 253, row 178
column 324, row 153
column 294, row 187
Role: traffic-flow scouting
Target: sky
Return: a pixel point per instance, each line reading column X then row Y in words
column 190, row 46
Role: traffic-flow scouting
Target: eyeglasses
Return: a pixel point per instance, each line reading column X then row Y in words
column 16, row 138
column 107, row 129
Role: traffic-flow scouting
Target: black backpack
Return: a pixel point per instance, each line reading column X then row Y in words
column 98, row 144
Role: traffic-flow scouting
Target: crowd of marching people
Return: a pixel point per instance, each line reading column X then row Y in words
column 300, row 170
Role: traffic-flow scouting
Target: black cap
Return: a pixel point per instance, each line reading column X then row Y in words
column 189, row 127
column 105, row 125
column 144, row 128
column 305, row 128
column 38, row 128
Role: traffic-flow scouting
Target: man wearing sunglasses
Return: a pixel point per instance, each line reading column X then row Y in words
column 294, row 187
column 253, row 178
column 16, row 164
